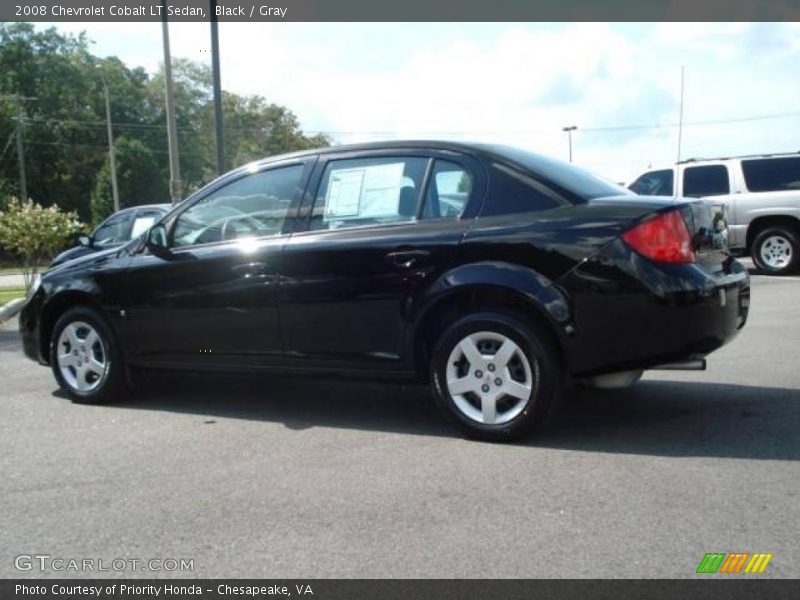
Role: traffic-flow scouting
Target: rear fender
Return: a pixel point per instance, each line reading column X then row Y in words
column 543, row 297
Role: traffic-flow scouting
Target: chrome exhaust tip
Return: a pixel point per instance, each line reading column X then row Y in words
column 697, row 364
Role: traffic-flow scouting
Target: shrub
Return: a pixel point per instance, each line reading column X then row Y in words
column 34, row 233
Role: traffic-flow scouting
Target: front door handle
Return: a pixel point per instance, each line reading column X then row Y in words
column 251, row 269
column 407, row 258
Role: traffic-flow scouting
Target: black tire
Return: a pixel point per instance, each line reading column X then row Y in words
column 112, row 385
column 767, row 236
column 546, row 376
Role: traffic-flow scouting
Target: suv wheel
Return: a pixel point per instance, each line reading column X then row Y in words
column 85, row 358
column 495, row 376
column 775, row 250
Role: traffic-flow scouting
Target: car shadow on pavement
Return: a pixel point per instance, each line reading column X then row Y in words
column 10, row 340
column 680, row 418
column 661, row 418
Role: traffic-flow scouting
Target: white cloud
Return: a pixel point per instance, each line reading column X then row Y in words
column 515, row 83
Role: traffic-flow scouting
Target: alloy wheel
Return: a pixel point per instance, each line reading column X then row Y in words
column 81, row 356
column 489, row 378
column 776, row 252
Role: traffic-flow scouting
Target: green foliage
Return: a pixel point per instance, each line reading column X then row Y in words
column 138, row 179
column 34, row 233
column 66, row 149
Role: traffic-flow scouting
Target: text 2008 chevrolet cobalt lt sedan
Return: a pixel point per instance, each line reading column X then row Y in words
column 496, row 273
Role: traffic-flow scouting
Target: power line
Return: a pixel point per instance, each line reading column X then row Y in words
column 102, row 124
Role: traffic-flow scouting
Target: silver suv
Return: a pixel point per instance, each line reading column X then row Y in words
column 763, row 197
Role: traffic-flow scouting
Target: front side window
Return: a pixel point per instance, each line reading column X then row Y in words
column 654, row 183
column 772, row 174
column 254, row 206
column 114, row 231
column 448, row 190
column 709, row 180
column 368, row 191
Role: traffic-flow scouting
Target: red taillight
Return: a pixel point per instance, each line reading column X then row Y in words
column 663, row 238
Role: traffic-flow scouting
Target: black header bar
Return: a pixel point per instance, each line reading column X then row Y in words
column 407, row 10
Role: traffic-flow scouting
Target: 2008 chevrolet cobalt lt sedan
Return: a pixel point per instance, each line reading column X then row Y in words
column 497, row 274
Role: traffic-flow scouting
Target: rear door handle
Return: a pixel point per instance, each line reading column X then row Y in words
column 407, row 258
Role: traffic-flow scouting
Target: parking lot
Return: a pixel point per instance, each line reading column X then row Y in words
column 296, row 478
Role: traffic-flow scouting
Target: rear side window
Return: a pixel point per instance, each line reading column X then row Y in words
column 449, row 188
column 368, row 191
column 772, row 174
column 710, row 180
column 513, row 192
column 143, row 221
column 654, row 183
column 113, row 231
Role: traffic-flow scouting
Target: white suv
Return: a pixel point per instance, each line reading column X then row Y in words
column 763, row 198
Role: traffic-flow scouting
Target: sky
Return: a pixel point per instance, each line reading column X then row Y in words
column 514, row 83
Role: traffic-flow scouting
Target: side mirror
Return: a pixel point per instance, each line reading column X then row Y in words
column 156, row 240
column 85, row 240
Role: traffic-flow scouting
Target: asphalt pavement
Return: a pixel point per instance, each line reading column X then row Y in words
column 270, row 477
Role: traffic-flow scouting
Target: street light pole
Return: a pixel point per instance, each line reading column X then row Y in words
column 111, row 153
column 172, row 130
column 569, row 131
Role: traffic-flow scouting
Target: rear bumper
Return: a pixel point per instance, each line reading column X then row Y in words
column 631, row 313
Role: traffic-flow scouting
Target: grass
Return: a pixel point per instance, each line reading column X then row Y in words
column 16, row 270
column 9, row 294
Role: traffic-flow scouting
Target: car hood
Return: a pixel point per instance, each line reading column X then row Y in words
column 83, row 262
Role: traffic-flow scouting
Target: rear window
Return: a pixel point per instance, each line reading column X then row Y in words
column 709, row 180
column 579, row 182
column 654, row 183
column 772, row 174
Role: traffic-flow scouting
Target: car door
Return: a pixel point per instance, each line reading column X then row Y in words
column 209, row 296
column 375, row 234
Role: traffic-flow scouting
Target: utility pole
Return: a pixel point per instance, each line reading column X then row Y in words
column 680, row 119
column 23, row 183
column 569, row 131
column 111, row 153
column 172, row 130
column 220, row 143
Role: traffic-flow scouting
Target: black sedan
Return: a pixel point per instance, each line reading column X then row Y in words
column 116, row 230
column 496, row 274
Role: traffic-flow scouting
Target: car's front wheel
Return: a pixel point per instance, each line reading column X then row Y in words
column 775, row 250
column 495, row 375
column 85, row 357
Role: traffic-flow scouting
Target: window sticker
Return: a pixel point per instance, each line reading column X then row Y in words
column 344, row 193
column 366, row 192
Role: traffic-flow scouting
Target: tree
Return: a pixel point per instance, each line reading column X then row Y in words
column 138, row 178
column 35, row 233
column 64, row 122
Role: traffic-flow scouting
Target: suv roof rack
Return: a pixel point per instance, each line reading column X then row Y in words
column 770, row 155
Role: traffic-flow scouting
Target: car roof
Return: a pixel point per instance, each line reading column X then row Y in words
column 740, row 156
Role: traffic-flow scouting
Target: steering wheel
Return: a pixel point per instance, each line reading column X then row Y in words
column 251, row 228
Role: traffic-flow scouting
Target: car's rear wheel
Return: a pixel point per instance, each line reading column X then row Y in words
column 775, row 250
column 85, row 357
column 495, row 375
